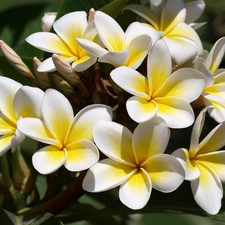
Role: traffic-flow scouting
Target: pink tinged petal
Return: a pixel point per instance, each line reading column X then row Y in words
column 81, row 155
column 57, row 114
column 141, row 110
column 145, row 13
column 5, row 143
column 47, row 66
column 37, row 130
column 216, row 162
column 216, row 55
column 165, row 171
column 70, row 26
column 173, row 13
column 105, row 175
column 207, row 190
column 159, row 65
column 177, row 45
column 136, row 191
column 138, row 50
column 131, row 81
column 8, row 89
column 191, row 168
column 178, row 85
column 17, row 139
column 49, row 159
column 150, row 138
column 27, row 102
column 213, row 141
column 84, row 63
column 84, row 121
column 115, row 141
column 49, row 42
column 116, row 58
column 91, row 47
column 194, row 10
column 109, row 31
column 176, row 112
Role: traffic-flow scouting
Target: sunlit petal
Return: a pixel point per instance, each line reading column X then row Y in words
column 81, row 155
column 150, row 138
column 219, row 78
column 84, row 121
column 57, row 113
column 27, row 102
column 109, row 31
column 6, row 127
column 17, row 139
column 176, row 112
column 136, row 191
column 5, row 143
column 37, row 130
column 194, row 10
column 207, row 190
column 191, row 168
column 47, row 65
column 105, row 175
column 8, row 89
column 49, row 159
column 165, row 171
column 115, row 141
column 131, row 81
column 141, row 110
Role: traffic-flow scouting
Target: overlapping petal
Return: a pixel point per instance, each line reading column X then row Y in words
column 5, row 143
column 105, row 175
column 81, row 155
column 6, row 127
column 165, row 172
column 136, row 191
column 49, row 159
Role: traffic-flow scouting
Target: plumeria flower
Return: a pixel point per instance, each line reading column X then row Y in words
column 136, row 162
column 68, row 28
column 214, row 91
column 68, row 138
column 47, row 20
column 168, row 19
column 160, row 93
column 205, row 165
column 16, row 101
column 127, row 49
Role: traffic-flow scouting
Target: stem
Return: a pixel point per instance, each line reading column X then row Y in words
column 30, row 182
column 4, row 167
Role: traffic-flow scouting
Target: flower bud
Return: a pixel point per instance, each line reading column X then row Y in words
column 63, row 85
column 47, row 21
column 91, row 15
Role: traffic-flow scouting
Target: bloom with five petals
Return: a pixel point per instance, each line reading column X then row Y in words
column 68, row 28
column 69, row 138
column 122, row 49
column 16, row 101
column 136, row 162
column 160, row 93
column 204, row 165
column 168, row 18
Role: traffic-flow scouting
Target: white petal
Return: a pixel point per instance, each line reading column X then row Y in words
column 165, row 171
column 136, row 191
column 105, row 175
column 27, row 102
column 140, row 109
column 84, row 121
column 207, row 190
column 49, row 159
column 81, row 155
column 47, row 66
column 115, row 141
column 57, row 113
column 150, row 138
column 5, row 143
column 17, row 139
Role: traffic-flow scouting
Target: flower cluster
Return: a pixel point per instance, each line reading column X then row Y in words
column 156, row 71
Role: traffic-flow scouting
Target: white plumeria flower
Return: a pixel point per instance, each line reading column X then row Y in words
column 204, row 165
column 168, row 18
column 127, row 49
column 214, row 91
column 47, row 20
column 136, row 162
column 16, row 101
column 193, row 11
column 68, row 28
column 160, row 93
column 69, row 138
